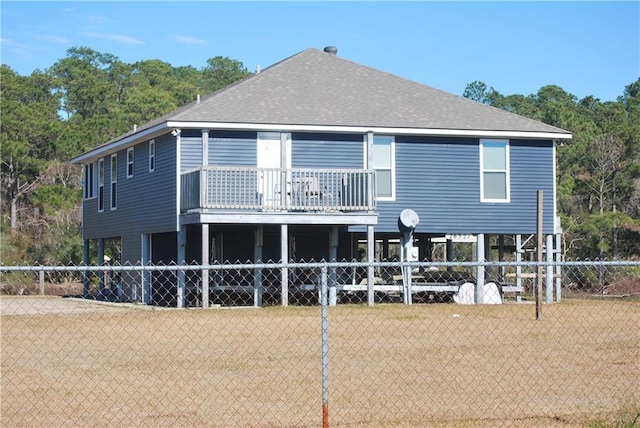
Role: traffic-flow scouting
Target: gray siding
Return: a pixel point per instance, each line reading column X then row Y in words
column 190, row 153
column 146, row 202
column 233, row 148
column 327, row 151
column 226, row 148
column 240, row 149
column 440, row 180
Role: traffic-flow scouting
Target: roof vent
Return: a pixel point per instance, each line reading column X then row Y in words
column 331, row 50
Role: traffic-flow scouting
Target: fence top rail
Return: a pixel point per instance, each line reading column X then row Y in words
column 312, row 264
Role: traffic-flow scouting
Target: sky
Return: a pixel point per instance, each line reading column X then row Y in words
column 516, row 47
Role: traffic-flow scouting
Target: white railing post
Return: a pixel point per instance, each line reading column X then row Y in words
column 203, row 188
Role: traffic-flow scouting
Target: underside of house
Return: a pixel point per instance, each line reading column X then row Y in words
column 238, row 248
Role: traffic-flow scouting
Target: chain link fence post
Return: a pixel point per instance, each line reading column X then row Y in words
column 325, row 347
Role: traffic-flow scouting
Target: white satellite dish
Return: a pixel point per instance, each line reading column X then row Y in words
column 408, row 220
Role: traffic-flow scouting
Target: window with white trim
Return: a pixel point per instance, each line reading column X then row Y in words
column 152, row 155
column 494, row 171
column 130, row 164
column 384, row 165
column 100, row 184
column 89, row 183
column 114, row 181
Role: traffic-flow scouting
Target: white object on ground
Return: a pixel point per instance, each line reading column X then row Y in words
column 466, row 294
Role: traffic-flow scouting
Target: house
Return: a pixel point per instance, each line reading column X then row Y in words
column 303, row 161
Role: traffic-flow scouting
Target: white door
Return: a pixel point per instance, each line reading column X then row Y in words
column 269, row 157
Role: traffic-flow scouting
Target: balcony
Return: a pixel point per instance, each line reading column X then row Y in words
column 285, row 190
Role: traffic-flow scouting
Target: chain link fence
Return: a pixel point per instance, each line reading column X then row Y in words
column 332, row 344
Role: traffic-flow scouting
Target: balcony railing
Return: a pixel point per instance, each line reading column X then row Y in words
column 264, row 189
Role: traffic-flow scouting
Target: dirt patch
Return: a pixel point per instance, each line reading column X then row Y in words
column 47, row 305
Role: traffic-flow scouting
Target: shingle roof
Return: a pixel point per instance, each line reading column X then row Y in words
column 319, row 88
column 315, row 88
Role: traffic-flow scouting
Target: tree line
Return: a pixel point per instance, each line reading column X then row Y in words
column 80, row 102
column 89, row 97
column 598, row 170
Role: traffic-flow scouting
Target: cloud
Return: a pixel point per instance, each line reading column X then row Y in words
column 116, row 38
column 188, row 40
column 10, row 43
column 96, row 19
column 54, row 39
column 17, row 48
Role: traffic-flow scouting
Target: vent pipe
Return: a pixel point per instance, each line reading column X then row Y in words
column 331, row 50
column 198, row 99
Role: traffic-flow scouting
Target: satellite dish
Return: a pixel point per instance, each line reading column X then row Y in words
column 408, row 220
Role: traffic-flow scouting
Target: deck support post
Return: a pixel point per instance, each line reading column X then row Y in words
column 488, row 271
column 370, row 258
column 257, row 258
column 145, row 275
column 449, row 245
column 85, row 275
column 206, row 260
column 284, row 258
column 558, row 259
column 519, row 252
column 406, row 246
column 549, row 269
column 182, row 244
column 103, row 274
column 479, row 292
column 333, row 255
column 500, row 259
column 385, row 249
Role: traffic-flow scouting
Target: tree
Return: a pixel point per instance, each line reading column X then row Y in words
column 29, row 129
column 89, row 82
column 477, row 91
column 99, row 97
column 598, row 170
column 221, row 72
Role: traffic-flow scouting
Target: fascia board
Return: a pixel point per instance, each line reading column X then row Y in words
column 377, row 130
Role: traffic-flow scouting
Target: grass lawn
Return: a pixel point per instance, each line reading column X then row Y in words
column 390, row 365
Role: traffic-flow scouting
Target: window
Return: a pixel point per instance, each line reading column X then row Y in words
column 384, row 164
column 152, row 155
column 100, row 185
column 114, row 181
column 130, row 162
column 89, row 184
column 494, row 171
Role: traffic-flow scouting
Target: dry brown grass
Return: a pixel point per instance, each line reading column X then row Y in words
column 390, row 365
